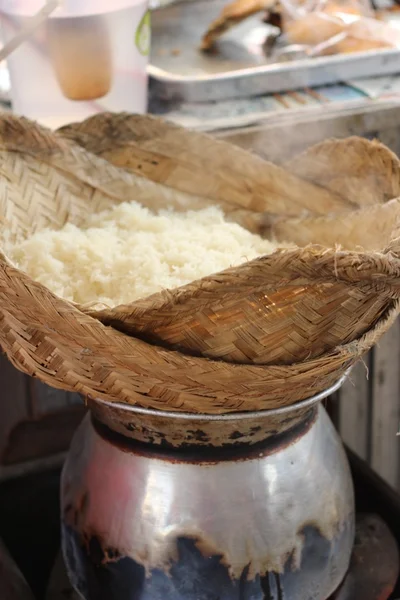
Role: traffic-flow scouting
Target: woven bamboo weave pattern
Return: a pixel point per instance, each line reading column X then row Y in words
column 364, row 172
column 198, row 164
column 57, row 343
column 246, row 328
column 267, row 333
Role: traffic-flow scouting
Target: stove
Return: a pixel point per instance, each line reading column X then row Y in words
column 374, row 566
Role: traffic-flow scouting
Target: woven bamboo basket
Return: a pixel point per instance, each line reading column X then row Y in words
column 267, row 333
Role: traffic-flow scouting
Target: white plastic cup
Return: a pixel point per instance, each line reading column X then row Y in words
column 90, row 56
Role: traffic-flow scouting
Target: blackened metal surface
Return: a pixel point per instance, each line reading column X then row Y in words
column 173, row 429
column 100, row 573
column 160, row 430
column 208, row 453
column 253, row 510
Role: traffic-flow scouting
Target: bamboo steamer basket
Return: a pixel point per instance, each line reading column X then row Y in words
column 268, row 333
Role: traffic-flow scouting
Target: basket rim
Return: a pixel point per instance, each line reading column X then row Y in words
column 234, row 416
column 373, row 268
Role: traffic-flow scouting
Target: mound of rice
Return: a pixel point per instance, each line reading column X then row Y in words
column 128, row 253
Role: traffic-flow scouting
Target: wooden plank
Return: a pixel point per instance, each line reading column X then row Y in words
column 29, row 467
column 47, row 435
column 36, row 422
column 46, row 428
column 354, row 410
column 14, row 405
column 45, row 399
column 385, row 455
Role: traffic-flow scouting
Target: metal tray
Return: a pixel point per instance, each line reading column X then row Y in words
column 179, row 71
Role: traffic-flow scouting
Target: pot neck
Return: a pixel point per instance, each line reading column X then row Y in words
column 185, row 434
column 175, row 430
column 267, row 444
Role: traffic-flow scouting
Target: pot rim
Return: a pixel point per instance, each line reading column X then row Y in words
column 233, row 416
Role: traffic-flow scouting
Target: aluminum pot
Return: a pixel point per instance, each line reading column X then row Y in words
column 169, row 506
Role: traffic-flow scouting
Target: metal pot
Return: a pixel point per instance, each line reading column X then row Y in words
column 169, row 506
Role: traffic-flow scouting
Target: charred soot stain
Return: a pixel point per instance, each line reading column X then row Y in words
column 100, row 573
column 198, row 435
column 278, row 584
column 84, row 504
column 235, row 435
column 191, row 453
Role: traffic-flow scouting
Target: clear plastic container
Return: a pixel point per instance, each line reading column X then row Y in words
column 89, row 56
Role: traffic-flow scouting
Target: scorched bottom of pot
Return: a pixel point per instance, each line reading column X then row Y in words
column 100, row 573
